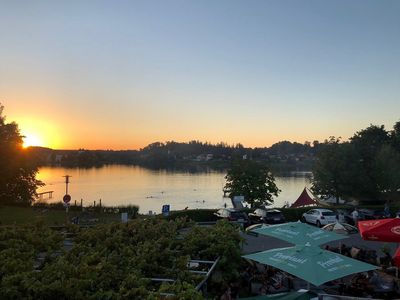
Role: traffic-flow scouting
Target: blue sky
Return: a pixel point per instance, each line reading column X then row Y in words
column 122, row 74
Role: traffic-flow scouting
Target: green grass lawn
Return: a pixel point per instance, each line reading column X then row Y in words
column 10, row 215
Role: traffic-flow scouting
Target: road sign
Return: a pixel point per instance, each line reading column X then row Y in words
column 66, row 198
column 165, row 209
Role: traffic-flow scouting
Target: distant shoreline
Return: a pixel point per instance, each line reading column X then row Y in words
column 283, row 157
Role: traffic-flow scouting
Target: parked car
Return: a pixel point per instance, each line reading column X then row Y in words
column 267, row 216
column 319, row 217
column 363, row 214
column 371, row 214
column 233, row 215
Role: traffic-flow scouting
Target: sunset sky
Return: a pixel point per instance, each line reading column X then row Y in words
column 123, row 74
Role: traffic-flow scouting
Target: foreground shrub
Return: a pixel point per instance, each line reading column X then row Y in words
column 115, row 261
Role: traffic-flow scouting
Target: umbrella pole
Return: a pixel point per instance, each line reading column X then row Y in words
column 308, row 285
column 397, row 268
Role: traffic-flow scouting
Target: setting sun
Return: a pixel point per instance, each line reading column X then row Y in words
column 37, row 132
column 31, row 140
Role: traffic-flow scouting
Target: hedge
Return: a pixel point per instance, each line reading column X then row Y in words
column 291, row 214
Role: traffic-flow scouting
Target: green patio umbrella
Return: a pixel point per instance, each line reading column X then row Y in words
column 311, row 263
column 299, row 233
column 306, row 295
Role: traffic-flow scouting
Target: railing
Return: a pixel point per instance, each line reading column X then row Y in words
column 40, row 195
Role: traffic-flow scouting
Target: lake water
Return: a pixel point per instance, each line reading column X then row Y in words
column 149, row 189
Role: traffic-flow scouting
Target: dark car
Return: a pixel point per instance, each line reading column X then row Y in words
column 371, row 214
column 233, row 215
column 267, row 216
column 363, row 214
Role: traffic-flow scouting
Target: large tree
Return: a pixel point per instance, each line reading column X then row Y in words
column 253, row 181
column 17, row 172
column 368, row 144
column 336, row 173
column 366, row 167
column 395, row 136
column 387, row 172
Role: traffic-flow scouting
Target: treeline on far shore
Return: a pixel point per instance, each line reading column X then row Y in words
column 193, row 156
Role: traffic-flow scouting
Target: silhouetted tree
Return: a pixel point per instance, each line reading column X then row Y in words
column 368, row 143
column 251, row 180
column 367, row 167
column 17, row 173
column 334, row 170
column 387, row 168
column 395, row 136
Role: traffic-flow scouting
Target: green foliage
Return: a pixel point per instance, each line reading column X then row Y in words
column 19, row 249
column 191, row 157
column 182, row 290
column 335, row 171
column 253, row 181
column 368, row 143
column 132, row 210
column 51, row 216
column 395, row 136
column 114, row 261
column 366, row 168
column 286, row 148
column 17, row 172
column 387, row 166
column 197, row 215
column 220, row 240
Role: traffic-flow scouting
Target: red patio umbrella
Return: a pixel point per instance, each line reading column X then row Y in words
column 396, row 257
column 384, row 230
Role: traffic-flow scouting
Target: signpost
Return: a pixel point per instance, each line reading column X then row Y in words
column 67, row 197
column 165, row 210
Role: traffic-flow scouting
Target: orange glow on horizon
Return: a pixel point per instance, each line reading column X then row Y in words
column 38, row 133
column 59, row 133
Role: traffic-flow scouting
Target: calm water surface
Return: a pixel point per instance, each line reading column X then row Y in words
column 116, row 185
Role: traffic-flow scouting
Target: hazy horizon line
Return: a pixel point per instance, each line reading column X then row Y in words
column 212, row 144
